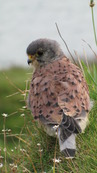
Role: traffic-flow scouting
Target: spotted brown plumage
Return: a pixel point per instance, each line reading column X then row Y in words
column 58, row 93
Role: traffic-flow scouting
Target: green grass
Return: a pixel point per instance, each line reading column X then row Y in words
column 23, row 153
column 10, row 104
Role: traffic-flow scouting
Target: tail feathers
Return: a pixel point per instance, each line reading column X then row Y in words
column 68, row 146
column 69, row 153
column 69, row 125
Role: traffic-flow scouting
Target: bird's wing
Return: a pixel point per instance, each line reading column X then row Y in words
column 57, row 88
column 73, row 95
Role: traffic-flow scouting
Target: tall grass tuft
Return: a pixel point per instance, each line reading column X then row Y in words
column 92, row 4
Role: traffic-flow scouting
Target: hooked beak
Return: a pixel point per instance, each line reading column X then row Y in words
column 29, row 61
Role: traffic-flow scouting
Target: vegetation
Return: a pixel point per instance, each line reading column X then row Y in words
column 24, row 146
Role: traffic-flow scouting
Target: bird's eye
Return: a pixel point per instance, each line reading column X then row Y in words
column 40, row 52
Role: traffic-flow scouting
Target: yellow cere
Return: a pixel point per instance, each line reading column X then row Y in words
column 31, row 57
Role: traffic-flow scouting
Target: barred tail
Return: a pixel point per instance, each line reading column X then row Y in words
column 68, row 146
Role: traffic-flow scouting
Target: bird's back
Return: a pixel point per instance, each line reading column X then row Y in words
column 56, row 88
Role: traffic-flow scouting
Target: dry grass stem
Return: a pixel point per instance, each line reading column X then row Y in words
column 90, row 47
column 65, row 43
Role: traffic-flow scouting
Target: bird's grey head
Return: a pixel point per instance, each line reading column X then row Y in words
column 43, row 51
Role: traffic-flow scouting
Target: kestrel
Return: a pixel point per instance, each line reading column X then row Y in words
column 58, row 95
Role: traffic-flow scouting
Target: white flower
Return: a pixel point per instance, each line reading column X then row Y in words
column 9, row 130
column 12, row 150
column 56, row 160
column 4, row 115
column 1, row 165
column 22, row 115
column 41, row 150
column 22, row 150
column 23, row 94
column 38, row 144
column 55, row 127
column 11, row 164
column 1, row 157
column 24, row 107
column 15, row 166
column 25, row 170
column 3, row 130
column 4, row 149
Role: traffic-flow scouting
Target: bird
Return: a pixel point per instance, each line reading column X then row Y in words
column 58, row 95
